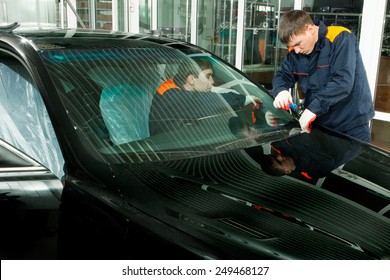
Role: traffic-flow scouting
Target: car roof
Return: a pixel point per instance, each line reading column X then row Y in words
column 82, row 38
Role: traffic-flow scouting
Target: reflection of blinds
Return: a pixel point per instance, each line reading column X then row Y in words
column 108, row 94
column 193, row 123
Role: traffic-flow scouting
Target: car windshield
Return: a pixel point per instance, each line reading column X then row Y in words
column 114, row 100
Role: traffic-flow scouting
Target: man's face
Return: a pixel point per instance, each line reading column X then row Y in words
column 204, row 82
column 304, row 43
column 283, row 163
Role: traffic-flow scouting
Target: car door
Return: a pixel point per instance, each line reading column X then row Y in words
column 29, row 194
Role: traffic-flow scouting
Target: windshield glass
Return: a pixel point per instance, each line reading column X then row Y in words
column 158, row 103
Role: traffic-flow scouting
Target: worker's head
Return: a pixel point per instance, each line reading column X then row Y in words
column 277, row 165
column 298, row 32
column 196, row 76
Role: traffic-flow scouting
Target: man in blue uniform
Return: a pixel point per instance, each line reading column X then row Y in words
column 327, row 65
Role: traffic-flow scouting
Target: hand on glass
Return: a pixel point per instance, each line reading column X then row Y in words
column 283, row 100
column 306, row 119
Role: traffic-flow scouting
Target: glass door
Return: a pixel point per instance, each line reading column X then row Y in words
column 96, row 14
column 174, row 19
column 103, row 14
column 83, row 9
column 224, row 44
column 381, row 127
column 262, row 53
column 145, row 17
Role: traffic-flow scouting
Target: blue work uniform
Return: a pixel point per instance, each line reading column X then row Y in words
column 333, row 80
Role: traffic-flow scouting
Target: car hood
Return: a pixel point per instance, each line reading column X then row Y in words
column 229, row 202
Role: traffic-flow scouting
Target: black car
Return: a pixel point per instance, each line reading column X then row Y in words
column 76, row 145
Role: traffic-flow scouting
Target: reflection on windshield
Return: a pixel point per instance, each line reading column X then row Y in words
column 309, row 156
column 139, row 104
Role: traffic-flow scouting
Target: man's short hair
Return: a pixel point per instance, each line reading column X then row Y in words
column 293, row 23
column 190, row 68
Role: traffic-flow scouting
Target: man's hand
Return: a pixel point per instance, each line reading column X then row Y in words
column 283, row 99
column 306, row 119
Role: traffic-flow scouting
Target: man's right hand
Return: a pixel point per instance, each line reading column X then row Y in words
column 283, row 99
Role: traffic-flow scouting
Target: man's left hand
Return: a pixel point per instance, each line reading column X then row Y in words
column 306, row 119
